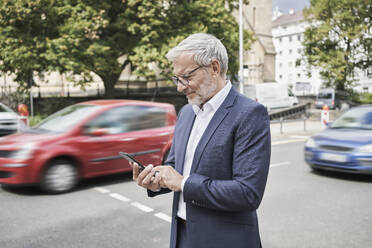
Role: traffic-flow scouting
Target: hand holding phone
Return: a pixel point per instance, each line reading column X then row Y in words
column 143, row 180
column 130, row 158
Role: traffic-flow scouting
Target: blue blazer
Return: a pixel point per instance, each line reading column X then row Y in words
column 227, row 177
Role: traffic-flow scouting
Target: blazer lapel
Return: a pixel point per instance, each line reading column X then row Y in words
column 218, row 117
column 183, row 138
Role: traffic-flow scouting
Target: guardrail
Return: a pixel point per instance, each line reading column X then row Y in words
column 289, row 113
column 282, row 121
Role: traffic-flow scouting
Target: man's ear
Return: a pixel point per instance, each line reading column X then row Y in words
column 216, row 67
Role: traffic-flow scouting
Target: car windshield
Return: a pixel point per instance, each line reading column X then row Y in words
column 325, row 95
column 358, row 118
column 4, row 108
column 66, row 118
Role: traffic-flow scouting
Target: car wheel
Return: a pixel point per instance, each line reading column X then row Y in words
column 61, row 176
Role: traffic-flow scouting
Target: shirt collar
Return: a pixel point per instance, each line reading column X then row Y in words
column 216, row 101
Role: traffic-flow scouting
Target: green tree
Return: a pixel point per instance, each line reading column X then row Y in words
column 81, row 37
column 338, row 40
column 23, row 33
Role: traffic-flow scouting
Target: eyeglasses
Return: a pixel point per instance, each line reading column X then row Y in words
column 184, row 79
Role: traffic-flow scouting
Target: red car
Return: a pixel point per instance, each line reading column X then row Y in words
column 83, row 141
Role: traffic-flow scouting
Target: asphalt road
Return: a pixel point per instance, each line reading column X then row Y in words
column 300, row 209
column 306, row 209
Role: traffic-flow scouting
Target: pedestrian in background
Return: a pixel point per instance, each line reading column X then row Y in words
column 219, row 160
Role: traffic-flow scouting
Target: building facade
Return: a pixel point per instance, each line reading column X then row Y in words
column 288, row 34
column 259, row 61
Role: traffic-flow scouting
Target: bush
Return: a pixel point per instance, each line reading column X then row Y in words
column 13, row 99
column 33, row 120
column 51, row 105
column 365, row 98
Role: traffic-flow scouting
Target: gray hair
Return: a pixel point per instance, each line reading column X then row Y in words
column 204, row 47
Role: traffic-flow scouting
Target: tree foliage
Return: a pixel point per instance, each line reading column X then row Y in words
column 339, row 39
column 81, row 37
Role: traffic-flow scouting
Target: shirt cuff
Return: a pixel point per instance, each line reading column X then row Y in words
column 183, row 182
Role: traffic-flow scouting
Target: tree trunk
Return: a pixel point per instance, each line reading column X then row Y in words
column 110, row 79
column 109, row 82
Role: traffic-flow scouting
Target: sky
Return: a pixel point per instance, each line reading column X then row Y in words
column 285, row 5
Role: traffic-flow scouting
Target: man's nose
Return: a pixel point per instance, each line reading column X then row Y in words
column 181, row 87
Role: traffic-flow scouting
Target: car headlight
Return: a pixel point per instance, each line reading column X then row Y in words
column 311, row 143
column 366, row 148
column 25, row 152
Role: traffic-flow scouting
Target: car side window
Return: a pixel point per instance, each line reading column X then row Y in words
column 148, row 117
column 127, row 119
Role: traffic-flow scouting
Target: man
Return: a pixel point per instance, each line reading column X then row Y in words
column 219, row 160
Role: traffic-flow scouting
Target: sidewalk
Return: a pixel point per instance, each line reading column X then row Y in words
column 293, row 128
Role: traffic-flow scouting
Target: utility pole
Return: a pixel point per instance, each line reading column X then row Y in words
column 241, row 76
column 30, row 83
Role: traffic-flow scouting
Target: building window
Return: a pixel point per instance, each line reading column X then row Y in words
column 299, row 37
column 290, row 51
column 290, row 64
column 299, row 50
column 290, row 77
column 368, row 73
column 298, row 75
column 298, row 62
column 281, row 76
column 290, row 38
column 280, row 52
column 280, row 40
column 280, row 65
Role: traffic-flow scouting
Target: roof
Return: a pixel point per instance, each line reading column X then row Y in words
column 288, row 18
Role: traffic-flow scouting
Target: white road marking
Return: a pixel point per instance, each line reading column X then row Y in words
column 119, row 197
column 163, row 216
column 285, row 142
column 299, row 137
column 279, row 164
column 138, row 205
column 101, row 189
column 142, row 207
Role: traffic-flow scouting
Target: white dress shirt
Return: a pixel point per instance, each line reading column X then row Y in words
column 203, row 117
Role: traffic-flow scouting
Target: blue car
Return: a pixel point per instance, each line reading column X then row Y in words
column 345, row 145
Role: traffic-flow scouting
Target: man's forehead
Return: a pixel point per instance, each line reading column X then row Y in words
column 182, row 63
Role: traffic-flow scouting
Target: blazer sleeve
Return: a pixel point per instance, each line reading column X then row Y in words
column 170, row 161
column 250, row 165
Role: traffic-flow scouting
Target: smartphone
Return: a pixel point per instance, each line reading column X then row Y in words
column 130, row 158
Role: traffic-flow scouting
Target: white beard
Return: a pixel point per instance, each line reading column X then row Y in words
column 206, row 90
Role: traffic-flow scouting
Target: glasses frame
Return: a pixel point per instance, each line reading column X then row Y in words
column 177, row 80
